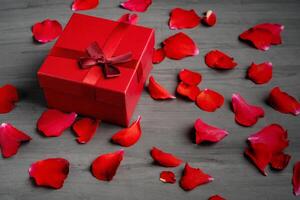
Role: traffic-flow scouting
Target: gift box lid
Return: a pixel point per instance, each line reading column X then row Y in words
column 63, row 74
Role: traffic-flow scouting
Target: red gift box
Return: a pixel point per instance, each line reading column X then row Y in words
column 90, row 90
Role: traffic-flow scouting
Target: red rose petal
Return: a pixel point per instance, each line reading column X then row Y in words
column 283, row 102
column 164, row 159
column 193, row 177
column 136, row 5
column 275, row 29
column 8, row 97
column 208, row 133
column 129, row 18
column 181, row 18
column 260, row 73
column 167, row 177
column 245, row 114
column 51, row 172
column 46, row 31
column 190, row 77
column 210, row 18
column 180, row 46
column 280, row 161
column 158, row 56
column 218, row 60
column 84, row 4
column 11, row 139
column 209, row 100
column 85, row 129
column 105, row 166
column 128, row 136
column 296, row 179
column 265, row 144
column 53, row 122
column 157, row 91
column 216, row 197
column 189, row 91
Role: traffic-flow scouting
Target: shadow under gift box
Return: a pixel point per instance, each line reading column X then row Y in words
column 109, row 99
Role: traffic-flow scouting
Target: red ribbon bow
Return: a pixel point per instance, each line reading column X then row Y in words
column 98, row 57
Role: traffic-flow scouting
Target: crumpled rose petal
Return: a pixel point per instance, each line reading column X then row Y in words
column 245, row 114
column 193, row 177
column 189, row 91
column 84, row 4
column 283, row 102
column 129, row 18
column 50, row 172
column 85, row 129
column 181, row 18
column 157, row 91
column 179, row 46
column 216, row 197
column 105, row 166
column 296, row 179
column 275, row 29
column 265, row 144
column 11, row 139
column 53, row 122
column 280, row 161
column 210, row 18
column 158, row 56
column 219, row 60
column 128, row 136
column 164, row 159
column 190, row 77
column 260, row 73
column 208, row 133
column 46, row 31
column 8, row 98
column 209, row 100
column 136, row 5
column 167, row 177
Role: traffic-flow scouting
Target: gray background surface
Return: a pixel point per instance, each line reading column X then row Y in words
column 168, row 124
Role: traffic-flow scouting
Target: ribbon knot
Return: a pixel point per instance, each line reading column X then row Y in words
column 96, row 56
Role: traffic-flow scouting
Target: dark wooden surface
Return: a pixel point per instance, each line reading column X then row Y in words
column 167, row 124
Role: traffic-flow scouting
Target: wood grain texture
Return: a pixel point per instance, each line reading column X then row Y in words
column 166, row 124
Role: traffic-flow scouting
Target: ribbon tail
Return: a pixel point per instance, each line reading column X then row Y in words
column 111, row 71
column 121, row 58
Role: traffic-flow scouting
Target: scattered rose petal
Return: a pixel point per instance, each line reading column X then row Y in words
column 50, row 172
column 157, row 91
column 164, row 159
column 179, row 46
column 283, row 102
column 8, row 97
column 190, row 77
column 129, row 18
column 296, row 179
column 193, row 177
column 189, row 91
column 53, row 122
column 209, row 100
column 158, row 56
column 245, row 114
column 208, row 133
column 11, row 139
column 260, row 73
column 216, row 197
column 218, row 60
column 46, row 31
column 280, row 161
column 181, row 18
column 210, row 18
column 262, row 36
column 167, row 177
column 136, row 5
column 105, row 166
column 85, row 129
column 265, row 144
column 128, row 136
